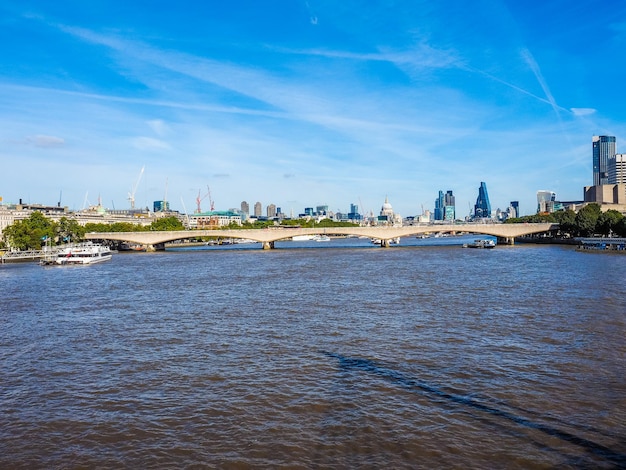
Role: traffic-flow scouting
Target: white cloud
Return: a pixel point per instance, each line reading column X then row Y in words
column 582, row 111
column 45, row 141
column 159, row 127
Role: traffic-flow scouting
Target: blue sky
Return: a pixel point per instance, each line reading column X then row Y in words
column 304, row 103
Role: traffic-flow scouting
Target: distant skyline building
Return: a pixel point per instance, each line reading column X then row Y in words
column 439, row 206
column 271, row 210
column 161, row 206
column 445, row 206
column 258, row 209
column 245, row 207
column 354, row 215
column 545, row 201
column 482, row 208
column 604, row 149
column 515, row 207
column 449, row 212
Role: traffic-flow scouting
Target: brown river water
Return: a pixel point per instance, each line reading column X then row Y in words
column 327, row 355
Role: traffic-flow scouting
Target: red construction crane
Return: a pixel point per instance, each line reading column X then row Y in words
column 201, row 198
column 210, row 198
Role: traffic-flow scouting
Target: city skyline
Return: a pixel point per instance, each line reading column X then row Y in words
column 306, row 102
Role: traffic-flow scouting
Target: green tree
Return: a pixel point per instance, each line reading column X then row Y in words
column 114, row 227
column 30, row 233
column 68, row 230
column 566, row 220
column 620, row 227
column 587, row 219
column 167, row 224
column 607, row 222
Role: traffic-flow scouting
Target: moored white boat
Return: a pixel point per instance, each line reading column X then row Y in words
column 481, row 243
column 81, row 253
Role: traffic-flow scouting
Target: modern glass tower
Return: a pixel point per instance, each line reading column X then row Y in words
column 439, row 206
column 449, row 211
column 482, row 208
column 604, row 148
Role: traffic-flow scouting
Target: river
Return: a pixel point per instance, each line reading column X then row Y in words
column 327, row 355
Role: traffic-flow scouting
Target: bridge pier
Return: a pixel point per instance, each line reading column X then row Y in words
column 506, row 240
column 268, row 245
column 384, row 243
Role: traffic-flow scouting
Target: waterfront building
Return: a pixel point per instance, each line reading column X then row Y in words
column 604, row 149
column 545, row 201
column 482, row 208
column 11, row 213
column 213, row 219
column 258, row 210
column 606, row 194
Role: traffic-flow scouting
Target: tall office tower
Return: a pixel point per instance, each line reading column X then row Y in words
column 449, row 213
column 617, row 169
column 258, row 209
column 245, row 207
column 354, row 212
column 271, row 210
column 603, row 149
column 545, row 201
column 515, row 206
column 439, row 206
column 482, row 208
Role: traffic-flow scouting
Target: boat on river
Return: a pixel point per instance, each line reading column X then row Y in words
column 481, row 243
column 80, row 253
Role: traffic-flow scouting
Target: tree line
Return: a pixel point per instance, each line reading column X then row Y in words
column 587, row 222
column 38, row 230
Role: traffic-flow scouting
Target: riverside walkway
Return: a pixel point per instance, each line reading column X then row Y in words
column 505, row 233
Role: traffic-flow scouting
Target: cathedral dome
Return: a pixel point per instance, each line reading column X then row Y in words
column 386, row 209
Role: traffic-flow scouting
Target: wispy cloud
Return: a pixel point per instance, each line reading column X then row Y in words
column 45, row 141
column 150, row 144
column 582, row 111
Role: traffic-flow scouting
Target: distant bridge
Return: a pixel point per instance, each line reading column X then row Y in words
column 505, row 233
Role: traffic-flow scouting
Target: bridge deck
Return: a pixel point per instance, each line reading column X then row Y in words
column 504, row 232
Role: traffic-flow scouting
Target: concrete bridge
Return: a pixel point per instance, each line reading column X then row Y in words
column 505, row 233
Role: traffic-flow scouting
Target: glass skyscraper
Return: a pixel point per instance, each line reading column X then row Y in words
column 444, row 206
column 482, row 208
column 604, row 148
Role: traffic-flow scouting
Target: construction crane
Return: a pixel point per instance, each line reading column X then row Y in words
column 131, row 195
column 201, row 198
column 210, row 198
